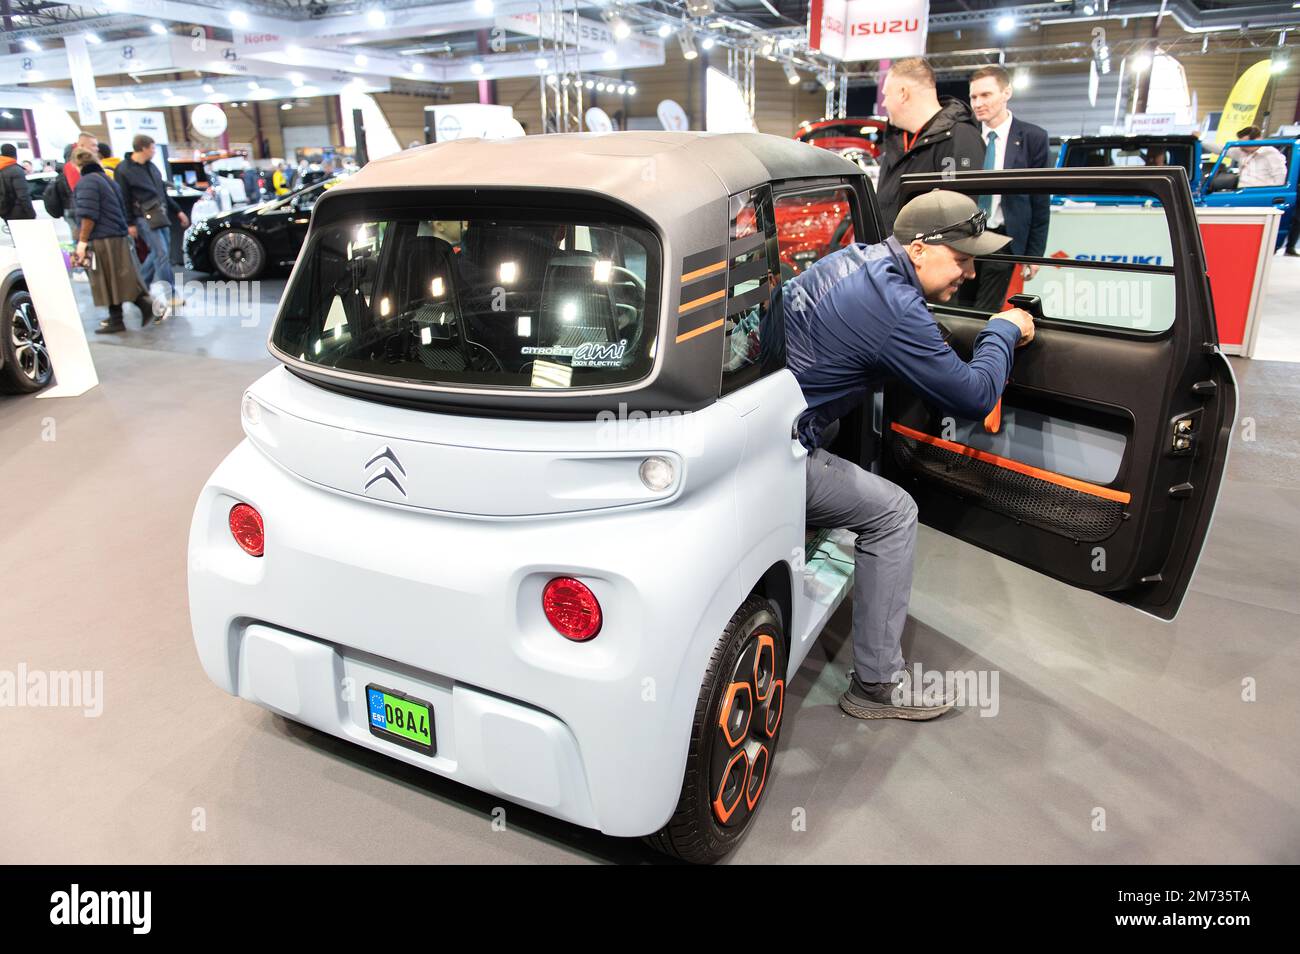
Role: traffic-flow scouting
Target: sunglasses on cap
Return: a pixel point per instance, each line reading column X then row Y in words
column 968, row 228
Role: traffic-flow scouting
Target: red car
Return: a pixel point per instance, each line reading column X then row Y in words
column 840, row 134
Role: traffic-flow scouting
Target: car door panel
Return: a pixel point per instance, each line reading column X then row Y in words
column 1086, row 479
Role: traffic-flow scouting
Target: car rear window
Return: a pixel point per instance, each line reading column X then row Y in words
column 454, row 300
column 1099, row 155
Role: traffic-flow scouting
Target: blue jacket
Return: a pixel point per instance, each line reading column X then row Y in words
column 858, row 316
column 97, row 199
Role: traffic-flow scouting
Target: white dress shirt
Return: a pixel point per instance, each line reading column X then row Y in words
column 1003, row 129
column 1265, row 166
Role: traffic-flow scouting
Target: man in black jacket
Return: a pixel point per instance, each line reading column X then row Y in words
column 924, row 135
column 147, row 207
column 15, row 194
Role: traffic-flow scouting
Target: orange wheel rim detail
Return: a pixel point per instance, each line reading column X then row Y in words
column 721, row 810
column 728, row 704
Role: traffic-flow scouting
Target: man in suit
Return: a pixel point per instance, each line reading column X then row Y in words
column 1009, row 143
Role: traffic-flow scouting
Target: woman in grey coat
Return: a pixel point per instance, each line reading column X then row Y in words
column 105, row 249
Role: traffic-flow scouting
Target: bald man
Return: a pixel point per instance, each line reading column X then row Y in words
column 926, row 133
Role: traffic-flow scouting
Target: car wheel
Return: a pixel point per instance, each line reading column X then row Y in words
column 26, row 360
column 237, row 255
column 733, row 738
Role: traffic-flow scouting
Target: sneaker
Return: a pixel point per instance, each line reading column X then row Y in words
column 891, row 700
column 1292, row 253
column 110, row 326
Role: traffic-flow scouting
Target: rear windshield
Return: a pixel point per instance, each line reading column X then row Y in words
column 483, row 302
column 1096, row 155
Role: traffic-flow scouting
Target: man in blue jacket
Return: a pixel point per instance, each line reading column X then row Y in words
column 1009, row 143
column 854, row 318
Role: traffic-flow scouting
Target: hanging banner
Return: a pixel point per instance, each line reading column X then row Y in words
column 854, row 30
column 83, row 79
column 1243, row 102
column 1094, row 82
column 672, row 117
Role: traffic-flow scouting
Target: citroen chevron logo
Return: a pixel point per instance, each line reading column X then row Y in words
column 389, row 468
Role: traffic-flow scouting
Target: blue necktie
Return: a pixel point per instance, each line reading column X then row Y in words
column 990, row 162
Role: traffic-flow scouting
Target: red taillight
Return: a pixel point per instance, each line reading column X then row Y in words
column 571, row 608
column 246, row 528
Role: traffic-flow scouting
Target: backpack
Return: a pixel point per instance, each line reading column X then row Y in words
column 55, row 202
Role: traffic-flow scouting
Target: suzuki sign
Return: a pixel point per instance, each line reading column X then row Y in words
column 854, row 30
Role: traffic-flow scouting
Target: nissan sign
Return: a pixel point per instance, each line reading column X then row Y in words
column 854, row 30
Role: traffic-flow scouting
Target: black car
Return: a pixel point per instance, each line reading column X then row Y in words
column 243, row 243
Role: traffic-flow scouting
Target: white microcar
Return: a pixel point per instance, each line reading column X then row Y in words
column 523, row 505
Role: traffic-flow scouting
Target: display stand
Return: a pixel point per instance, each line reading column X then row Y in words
column 56, row 307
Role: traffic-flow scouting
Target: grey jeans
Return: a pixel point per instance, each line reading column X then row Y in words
column 843, row 495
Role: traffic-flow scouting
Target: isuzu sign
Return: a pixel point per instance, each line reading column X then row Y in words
column 855, row 30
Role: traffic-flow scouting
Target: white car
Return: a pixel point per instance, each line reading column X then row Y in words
column 24, row 359
column 523, row 507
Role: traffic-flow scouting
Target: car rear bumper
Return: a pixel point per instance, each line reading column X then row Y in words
column 352, row 591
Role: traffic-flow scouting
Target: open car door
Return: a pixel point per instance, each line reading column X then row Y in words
column 1102, row 465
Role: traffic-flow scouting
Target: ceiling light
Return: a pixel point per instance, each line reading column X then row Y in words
column 361, row 59
column 621, row 30
column 1005, row 24
column 622, row 89
column 376, row 17
column 168, row 92
column 791, row 74
column 1021, row 79
column 209, row 88
column 32, row 45
column 417, row 67
column 828, row 81
column 631, row 91
column 540, row 62
column 665, row 30
column 93, row 38
column 237, row 18
column 707, row 43
column 286, row 105
column 609, row 56
column 600, row 87
column 157, row 28
column 477, row 69
column 485, row 7
column 254, row 84
column 687, row 41
column 591, row 84
column 1142, row 62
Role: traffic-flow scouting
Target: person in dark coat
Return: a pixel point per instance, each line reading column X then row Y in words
column 1010, row 143
column 15, row 196
column 925, row 134
column 104, row 248
column 151, row 209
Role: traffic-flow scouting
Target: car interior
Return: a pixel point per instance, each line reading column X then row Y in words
column 482, row 300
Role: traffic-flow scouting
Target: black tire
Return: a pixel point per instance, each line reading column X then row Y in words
column 703, row 829
column 237, row 255
column 24, row 359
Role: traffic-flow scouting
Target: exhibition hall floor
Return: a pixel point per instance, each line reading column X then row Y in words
column 1117, row 738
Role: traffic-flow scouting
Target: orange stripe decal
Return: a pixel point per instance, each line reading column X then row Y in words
column 706, row 270
column 1060, row 480
column 700, row 330
column 697, row 302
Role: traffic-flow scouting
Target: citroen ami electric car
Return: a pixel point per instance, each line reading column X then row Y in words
column 523, row 504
